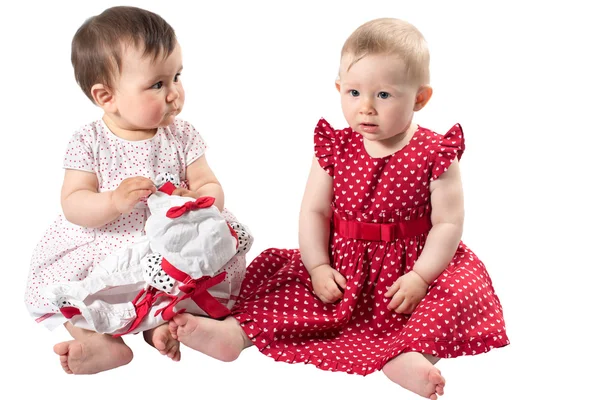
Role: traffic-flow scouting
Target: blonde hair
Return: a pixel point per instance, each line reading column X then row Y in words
column 394, row 37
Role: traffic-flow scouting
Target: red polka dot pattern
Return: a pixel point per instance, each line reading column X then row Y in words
column 69, row 252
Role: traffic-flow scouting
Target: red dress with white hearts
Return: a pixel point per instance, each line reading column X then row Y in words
column 381, row 209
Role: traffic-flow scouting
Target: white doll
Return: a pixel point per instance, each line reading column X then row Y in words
column 189, row 260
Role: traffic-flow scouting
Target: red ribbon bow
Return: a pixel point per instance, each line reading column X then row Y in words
column 202, row 202
column 197, row 290
column 142, row 304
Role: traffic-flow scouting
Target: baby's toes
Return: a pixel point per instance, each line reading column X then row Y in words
column 173, row 329
column 173, row 352
column 439, row 389
column 177, row 355
column 64, row 363
column 160, row 343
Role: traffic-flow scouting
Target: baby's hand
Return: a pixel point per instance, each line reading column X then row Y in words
column 185, row 193
column 130, row 191
column 325, row 281
column 407, row 292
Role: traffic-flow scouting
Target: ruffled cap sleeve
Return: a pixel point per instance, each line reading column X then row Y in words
column 324, row 145
column 451, row 146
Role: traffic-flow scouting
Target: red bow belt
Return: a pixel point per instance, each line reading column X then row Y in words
column 381, row 232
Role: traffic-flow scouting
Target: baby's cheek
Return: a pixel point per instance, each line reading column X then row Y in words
column 157, row 112
column 151, row 111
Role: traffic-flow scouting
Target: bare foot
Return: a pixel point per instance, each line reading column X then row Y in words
column 161, row 340
column 95, row 354
column 416, row 373
column 223, row 340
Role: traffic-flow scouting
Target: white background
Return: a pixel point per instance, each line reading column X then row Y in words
column 521, row 78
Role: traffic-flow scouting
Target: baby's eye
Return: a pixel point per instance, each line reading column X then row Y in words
column 157, row 85
column 383, row 95
column 176, row 79
column 354, row 93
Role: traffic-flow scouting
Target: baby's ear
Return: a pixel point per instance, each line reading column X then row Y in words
column 337, row 84
column 103, row 97
column 423, row 96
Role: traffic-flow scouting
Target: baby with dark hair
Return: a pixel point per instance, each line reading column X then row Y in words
column 128, row 62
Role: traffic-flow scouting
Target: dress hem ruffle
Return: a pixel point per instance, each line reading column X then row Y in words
column 437, row 348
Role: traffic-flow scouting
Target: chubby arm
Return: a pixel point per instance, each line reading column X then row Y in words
column 447, row 216
column 315, row 218
column 315, row 223
column 83, row 205
column 203, row 182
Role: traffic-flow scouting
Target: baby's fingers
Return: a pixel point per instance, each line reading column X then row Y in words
column 396, row 300
column 321, row 292
column 139, row 194
column 146, row 184
column 327, row 294
column 339, row 279
column 406, row 307
column 334, row 291
column 392, row 289
column 139, row 183
column 179, row 192
column 136, row 182
column 325, row 297
column 324, row 300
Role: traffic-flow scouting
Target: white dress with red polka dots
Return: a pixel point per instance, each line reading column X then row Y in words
column 381, row 209
column 68, row 252
column 184, row 262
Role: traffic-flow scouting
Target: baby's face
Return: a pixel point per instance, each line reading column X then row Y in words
column 148, row 92
column 377, row 100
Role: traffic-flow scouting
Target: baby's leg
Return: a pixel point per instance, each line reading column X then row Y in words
column 415, row 372
column 223, row 340
column 161, row 340
column 91, row 352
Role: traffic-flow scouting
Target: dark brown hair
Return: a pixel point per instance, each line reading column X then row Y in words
column 97, row 46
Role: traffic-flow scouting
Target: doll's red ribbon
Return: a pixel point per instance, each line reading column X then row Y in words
column 197, row 290
column 202, row 202
column 142, row 304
